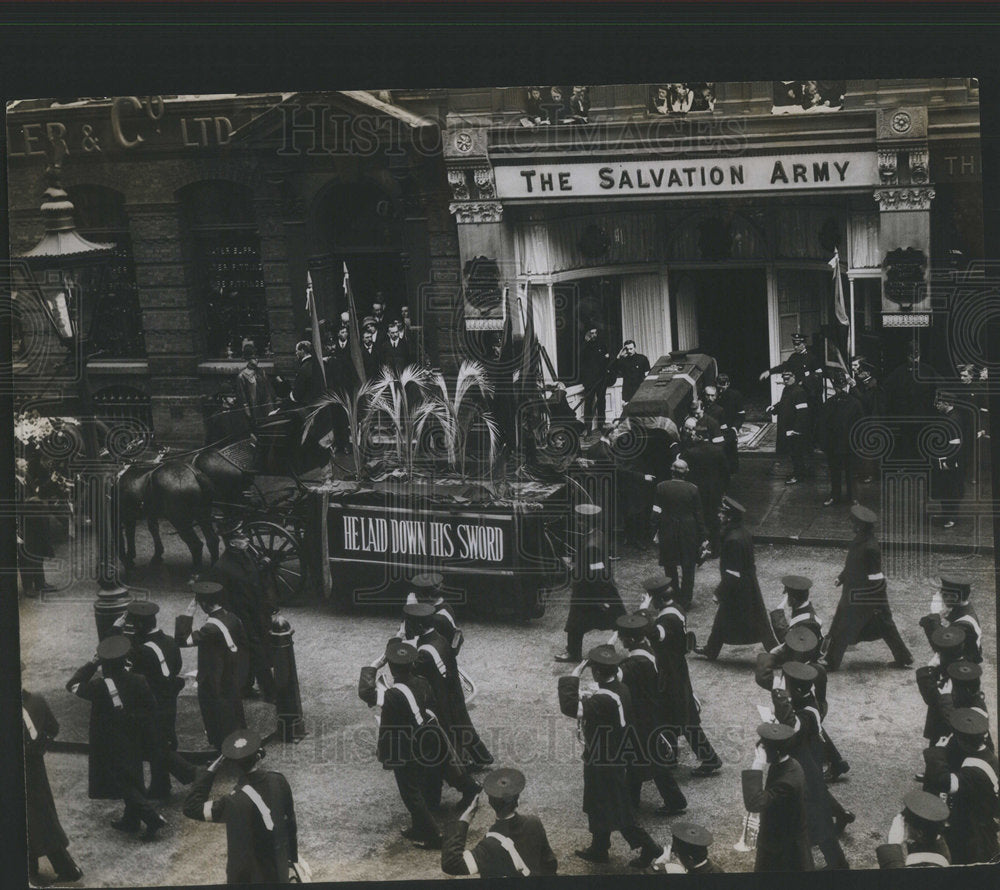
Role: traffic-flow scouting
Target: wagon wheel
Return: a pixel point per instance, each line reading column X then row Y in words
column 276, row 553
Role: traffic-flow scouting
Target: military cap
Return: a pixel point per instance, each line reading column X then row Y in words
column 925, row 806
column 957, row 584
column 418, row 610
column 801, row 639
column 944, row 395
column 207, row 590
column 606, row 655
column 427, row 581
column 863, row 514
column 656, row 583
column 799, row 672
column 114, row 648
column 796, row 582
column 966, row 721
column 964, row 671
column 504, row 783
column 692, row 835
column 632, row 625
column 948, row 637
column 798, row 337
column 587, row 511
column 241, row 744
column 142, row 609
column 775, row 732
column 732, row 506
column 400, row 653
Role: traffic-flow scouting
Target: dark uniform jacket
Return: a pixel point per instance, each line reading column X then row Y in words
column 489, row 856
column 863, row 591
column 633, row 370
column 677, row 508
column 710, row 472
column 783, row 837
column 436, row 664
column 157, row 658
column 308, row 384
column 261, row 833
column 909, row 392
column 401, row 724
column 733, row 413
column 593, row 364
column 932, row 681
column 121, row 729
column 965, row 617
column 45, row 833
column 794, row 415
column 395, row 357
column 914, row 855
column 711, row 419
column 948, row 471
column 640, row 676
column 803, row 615
column 768, row 663
column 595, row 604
column 808, row 369
column 669, row 638
column 871, row 397
column 837, row 417
column 741, row 617
column 341, row 373
column 605, row 719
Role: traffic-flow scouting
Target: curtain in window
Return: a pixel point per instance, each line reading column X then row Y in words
column 544, row 316
column 646, row 314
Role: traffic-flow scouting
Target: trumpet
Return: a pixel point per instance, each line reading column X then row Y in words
column 748, row 837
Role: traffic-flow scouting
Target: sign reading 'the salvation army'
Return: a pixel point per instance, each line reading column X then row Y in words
column 691, row 176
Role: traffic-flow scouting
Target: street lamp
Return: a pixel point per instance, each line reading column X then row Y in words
column 66, row 272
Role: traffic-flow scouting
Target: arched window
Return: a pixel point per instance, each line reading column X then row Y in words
column 117, row 326
column 225, row 251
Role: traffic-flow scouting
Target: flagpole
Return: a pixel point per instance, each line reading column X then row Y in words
column 317, row 343
column 853, row 349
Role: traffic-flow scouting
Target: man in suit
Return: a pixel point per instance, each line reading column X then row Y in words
column 370, row 356
column 223, row 661
column 683, row 537
column 378, row 316
column 632, row 367
column 794, row 424
column 395, row 351
column 806, row 368
column 948, row 471
column 253, row 390
column 838, row 416
column 783, row 836
column 605, row 717
column 594, row 358
column 307, row 389
column 709, row 471
column 915, row 835
column 341, row 376
column 514, row 846
column 259, row 814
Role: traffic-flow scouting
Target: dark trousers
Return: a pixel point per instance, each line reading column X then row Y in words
column 221, row 715
column 62, row 864
column 341, row 429
column 696, row 739
column 665, row 783
column 683, row 580
column 166, row 762
column 798, row 449
column 412, row 781
column 635, row 836
column 841, row 470
column 137, row 806
column 833, row 756
column 594, row 398
column 887, row 631
column 731, row 450
column 833, row 853
column 714, row 644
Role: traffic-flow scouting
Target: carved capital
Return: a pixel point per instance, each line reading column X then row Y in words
column 485, row 182
column 477, row 211
column 904, row 198
column 459, row 185
column 918, row 166
column 887, row 166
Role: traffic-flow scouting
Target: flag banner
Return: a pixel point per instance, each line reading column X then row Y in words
column 317, row 343
column 354, row 329
column 838, row 289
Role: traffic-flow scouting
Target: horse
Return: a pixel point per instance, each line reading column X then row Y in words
column 181, row 490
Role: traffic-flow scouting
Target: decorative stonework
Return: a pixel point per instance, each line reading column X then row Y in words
column 887, row 166
column 906, row 319
column 477, row 211
column 485, row 182
column 904, row 198
column 459, row 185
column 918, row 166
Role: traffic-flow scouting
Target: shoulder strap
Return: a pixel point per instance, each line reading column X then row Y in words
column 411, row 701
column 508, row 845
column 672, row 610
column 926, row 858
column 617, row 700
column 225, row 632
column 980, row 764
column 642, row 653
column 159, row 656
column 427, row 647
column 29, row 724
column 116, row 699
column 262, row 808
column 971, row 623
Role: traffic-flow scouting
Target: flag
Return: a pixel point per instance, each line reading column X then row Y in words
column 838, row 289
column 354, row 332
column 314, row 321
column 530, row 370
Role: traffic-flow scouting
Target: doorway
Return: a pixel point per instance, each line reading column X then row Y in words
column 579, row 305
column 731, row 324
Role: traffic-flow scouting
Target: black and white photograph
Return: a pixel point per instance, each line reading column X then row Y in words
column 503, row 481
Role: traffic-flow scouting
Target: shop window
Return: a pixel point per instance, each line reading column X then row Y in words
column 680, row 98
column 229, row 279
column 798, row 96
column 802, row 294
column 117, row 327
column 580, row 305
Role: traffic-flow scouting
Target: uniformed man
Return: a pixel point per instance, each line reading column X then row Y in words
column 868, row 392
column 370, row 356
column 915, row 835
column 733, row 416
column 250, row 600
column 952, row 606
column 679, row 706
column 690, row 844
column 604, row 718
column 933, row 680
column 863, row 613
column 706, row 412
column 965, row 692
column 795, row 705
column 805, row 367
column 632, row 367
column 948, row 472
column 594, row 357
column 708, row 470
column 837, row 418
column 121, row 726
column 413, row 744
column 259, row 814
column 680, row 527
column 515, row 845
column 652, row 751
column 222, row 661
column 342, row 375
column 45, row 833
column 783, row 836
column 794, row 416
column 741, row 617
column 971, row 786
column 157, row 658
column 796, row 609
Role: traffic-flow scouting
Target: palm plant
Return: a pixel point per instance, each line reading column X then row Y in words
column 357, row 407
column 458, row 414
column 391, row 399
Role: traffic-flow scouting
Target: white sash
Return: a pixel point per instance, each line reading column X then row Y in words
column 28, row 724
column 979, row 764
column 672, row 610
column 262, row 808
column 515, row 857
column 116, row 699
column 411, row 701
column 617, row 700
column 225, row 632
column 819, row 720
column 805, row 616
column 447, row 616
column 442, row 670
column 642, row 653
column 972, row 623
column 159, row 655
column 926, row 859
